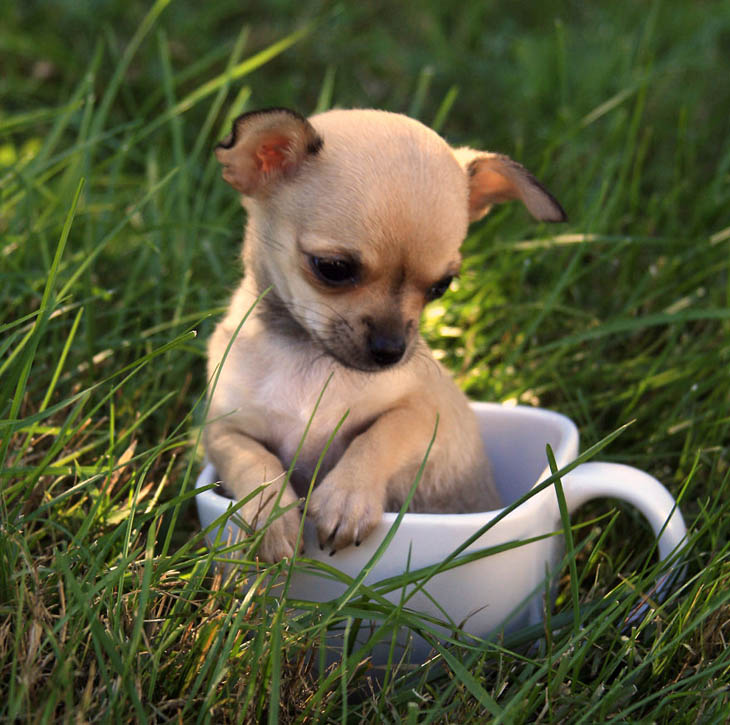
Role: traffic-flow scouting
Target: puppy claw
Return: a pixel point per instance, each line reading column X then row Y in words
column 329, row 540
column 279, row 541
column 344, row 515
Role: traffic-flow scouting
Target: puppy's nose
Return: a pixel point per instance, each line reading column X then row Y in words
column 386, row 349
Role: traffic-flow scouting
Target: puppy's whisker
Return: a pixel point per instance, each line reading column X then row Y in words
column 312, row 310
column 269, row 241
column 426, row 360
column 333, row 312
column 275, row 305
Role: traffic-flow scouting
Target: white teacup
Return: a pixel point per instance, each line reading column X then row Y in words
column 500, row 590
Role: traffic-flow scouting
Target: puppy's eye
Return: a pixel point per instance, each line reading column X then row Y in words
column 335, row 271
column 436, row 290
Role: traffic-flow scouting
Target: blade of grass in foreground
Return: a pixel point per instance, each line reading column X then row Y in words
column 39, row 324
column 568, row 533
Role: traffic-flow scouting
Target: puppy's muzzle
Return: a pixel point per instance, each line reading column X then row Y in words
column 386, row 340
column 386, row 349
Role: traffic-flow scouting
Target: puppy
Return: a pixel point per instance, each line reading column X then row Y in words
column 355, row 219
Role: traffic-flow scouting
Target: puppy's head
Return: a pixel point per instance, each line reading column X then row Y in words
column 356, row 219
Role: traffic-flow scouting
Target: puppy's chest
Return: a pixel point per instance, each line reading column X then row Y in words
column 289, row 401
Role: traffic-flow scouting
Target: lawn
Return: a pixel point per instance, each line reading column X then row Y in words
column 118, row 248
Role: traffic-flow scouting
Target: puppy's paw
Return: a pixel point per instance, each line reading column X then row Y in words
column 343, row 514
column 280, row 538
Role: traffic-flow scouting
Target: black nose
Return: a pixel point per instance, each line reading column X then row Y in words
column 386, row 349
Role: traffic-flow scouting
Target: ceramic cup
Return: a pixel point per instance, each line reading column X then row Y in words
column 504, row 590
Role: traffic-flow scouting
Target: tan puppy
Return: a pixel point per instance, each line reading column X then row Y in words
column 355, row 219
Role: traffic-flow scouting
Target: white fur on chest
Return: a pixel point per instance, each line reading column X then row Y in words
column 288, row 396
column 276, row 388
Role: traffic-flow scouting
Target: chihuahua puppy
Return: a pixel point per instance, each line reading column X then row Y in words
column 355, row 219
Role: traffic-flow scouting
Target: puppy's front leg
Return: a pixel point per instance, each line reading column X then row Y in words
column 244, row 464
column 350, row 501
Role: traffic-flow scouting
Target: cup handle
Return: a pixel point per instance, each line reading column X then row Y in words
column 615, row 480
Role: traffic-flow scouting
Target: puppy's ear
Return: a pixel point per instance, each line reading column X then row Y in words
column 265, row 146
column 494, row 178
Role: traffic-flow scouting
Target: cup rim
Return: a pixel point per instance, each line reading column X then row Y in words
column 210, row 499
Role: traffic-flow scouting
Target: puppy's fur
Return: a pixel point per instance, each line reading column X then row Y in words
column 355, row 219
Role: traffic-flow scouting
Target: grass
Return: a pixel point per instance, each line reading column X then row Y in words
column 117, row 249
